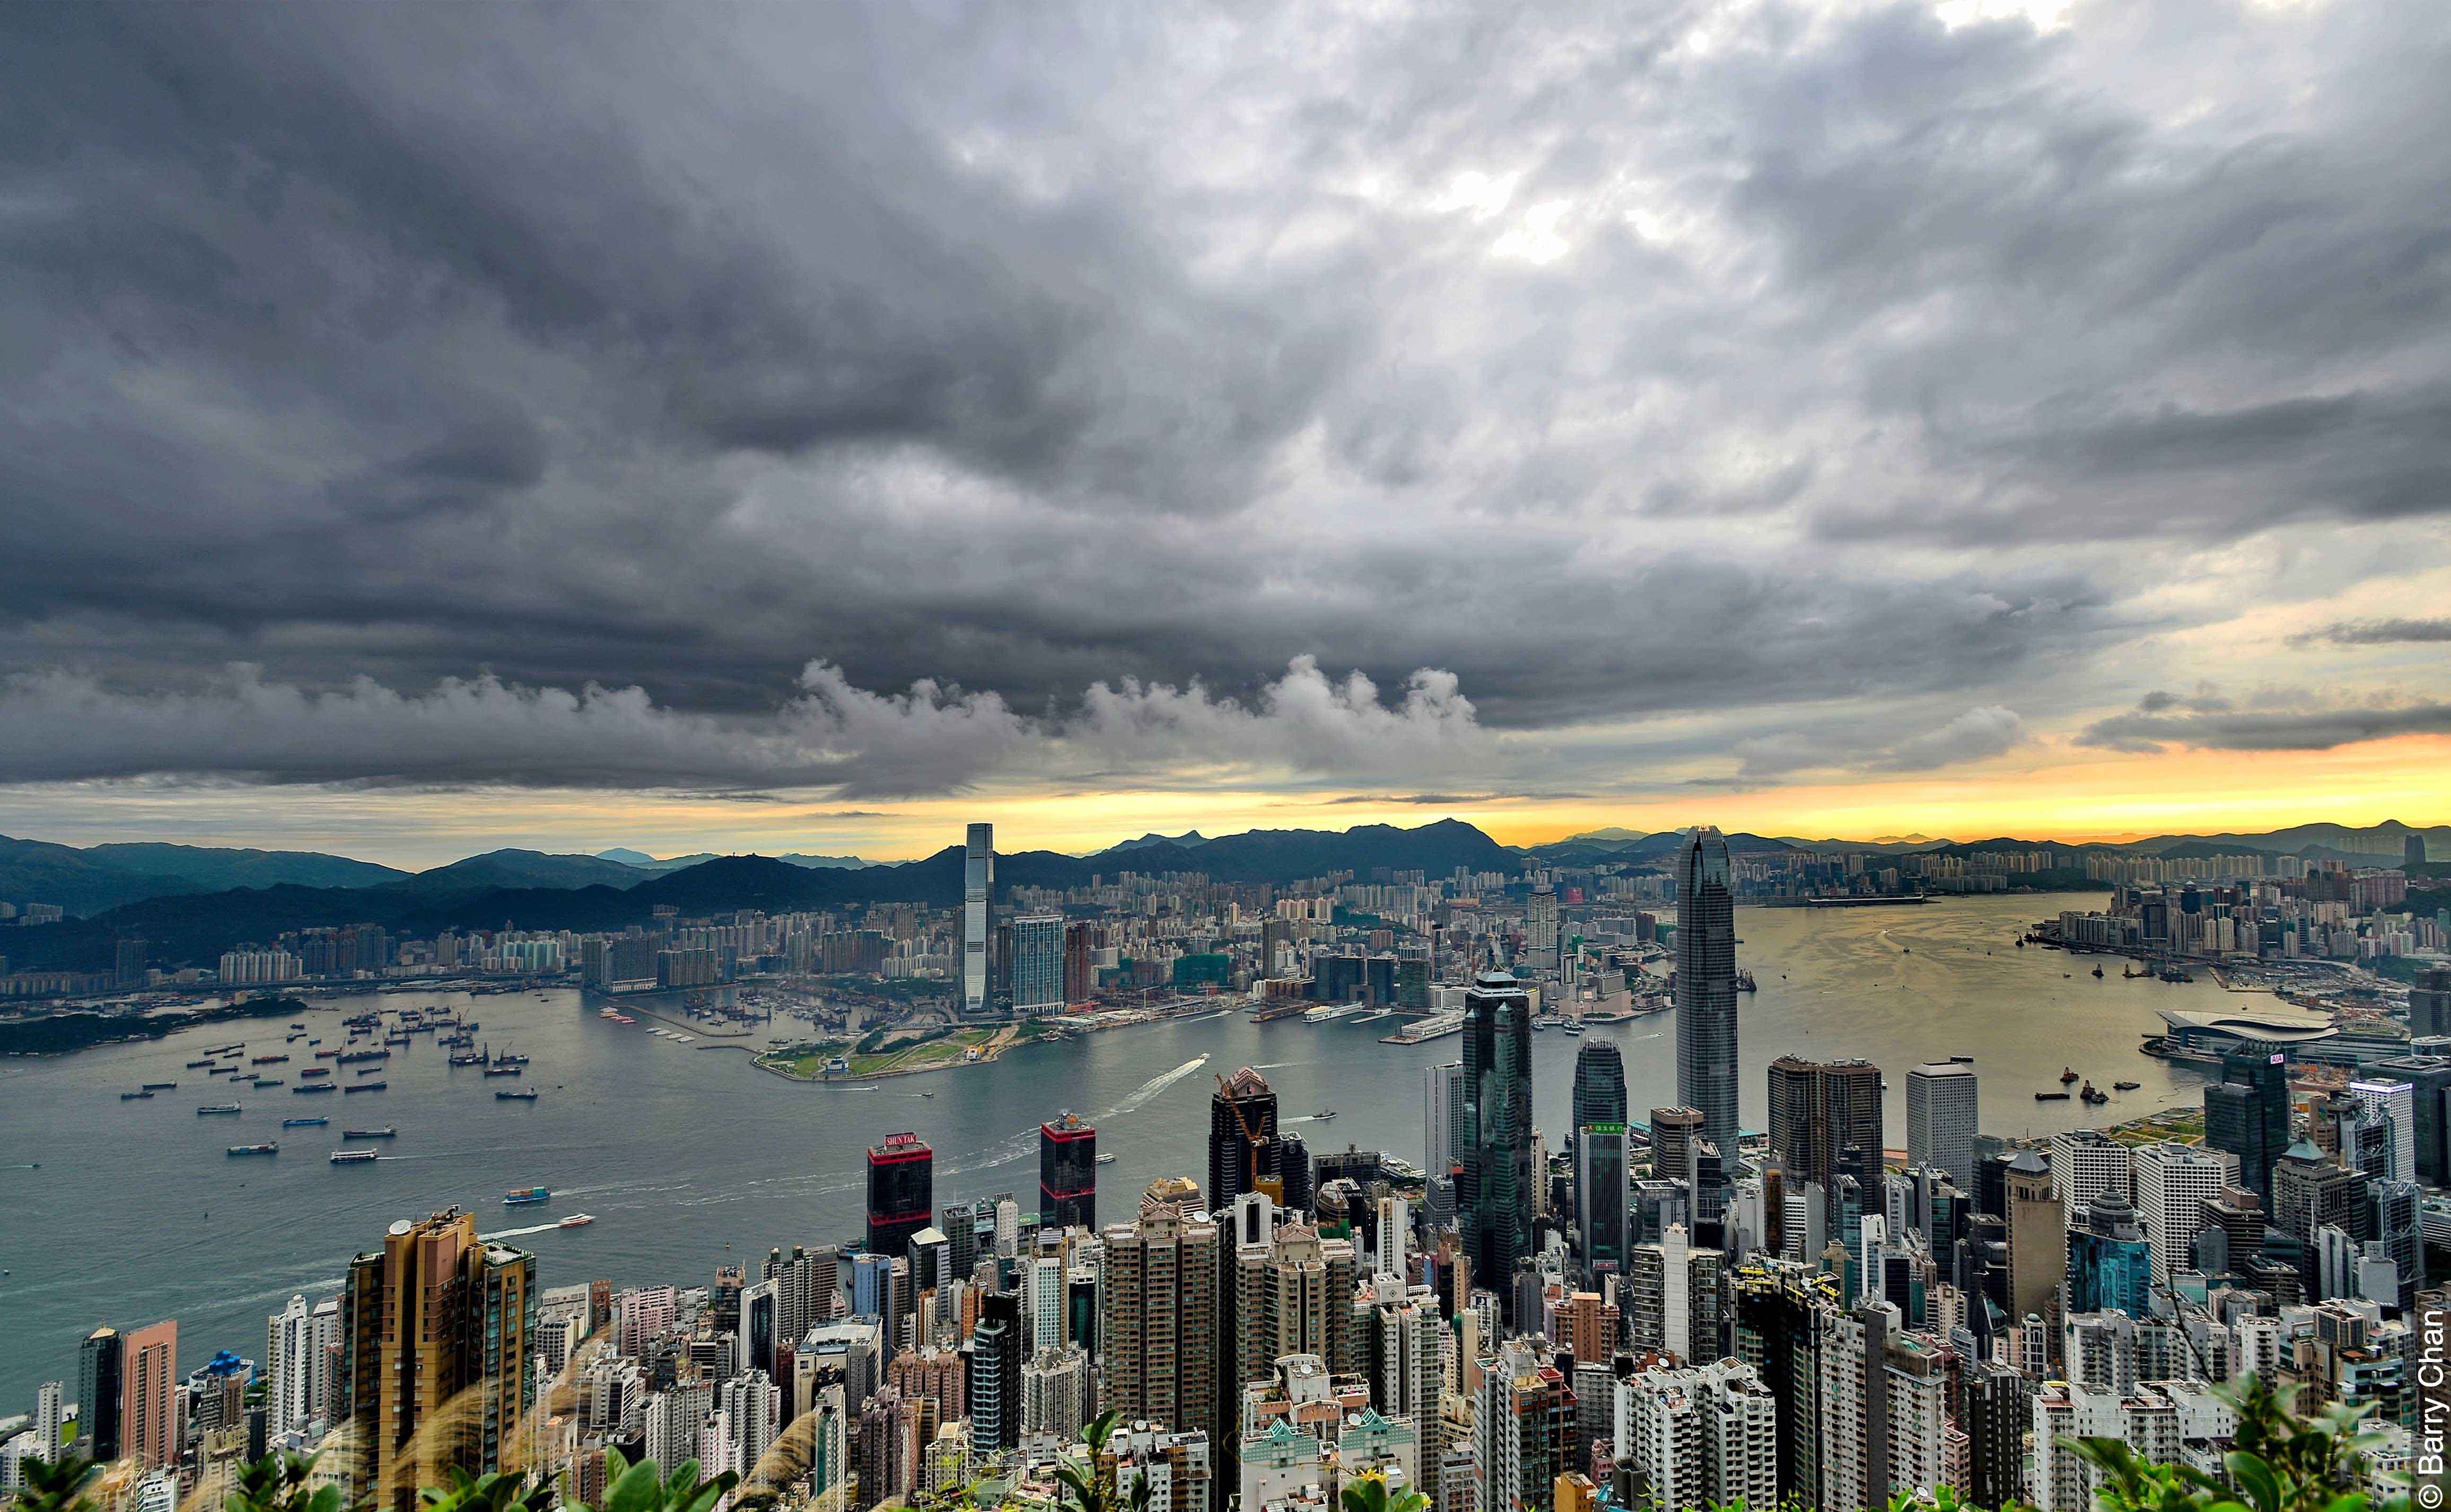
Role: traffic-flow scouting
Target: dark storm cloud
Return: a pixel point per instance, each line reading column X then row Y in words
column 2312, row 727
column 2379, row 632
column 1695, row 361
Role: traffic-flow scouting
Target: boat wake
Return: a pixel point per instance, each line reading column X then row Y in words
column 1139, row 1095
column 518, row 1234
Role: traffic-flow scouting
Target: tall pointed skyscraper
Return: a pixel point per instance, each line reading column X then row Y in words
column 1706, row 986
column 978, row 925
column 1495, row 1194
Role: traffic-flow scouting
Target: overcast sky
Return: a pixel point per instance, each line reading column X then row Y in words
column 800, row 426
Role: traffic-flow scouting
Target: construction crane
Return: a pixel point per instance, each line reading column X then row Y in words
column 1262, row 1179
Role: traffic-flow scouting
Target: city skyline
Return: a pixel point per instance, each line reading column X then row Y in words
column 1961, row 417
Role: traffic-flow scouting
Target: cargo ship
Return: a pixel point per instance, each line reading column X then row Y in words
column 312, row 1086
column 515, row 1097
column 384, row 1133
column 502, row 1071
column 303, row 1123
column 266, row 1061
column 161, row 1086
column 351, row 1157
column 316, row 1070
column 472, row 1057
column 132, row 1097
column 254, row 1150
column 210, row 1108
column 198, row 1065
column 506, row 1059
column 526, row 1196
column 366, row 1086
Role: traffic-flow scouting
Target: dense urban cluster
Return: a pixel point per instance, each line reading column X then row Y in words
column 1549, row 1311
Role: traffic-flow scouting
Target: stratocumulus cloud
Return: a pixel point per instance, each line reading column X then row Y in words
column 1845, row 387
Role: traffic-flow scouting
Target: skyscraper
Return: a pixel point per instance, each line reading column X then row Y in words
column 2246, row 1113
column 1067, row 1173
column 1443, row 1114
column 1599, row 1199
column 1600, row 1083
column 1674, row 1133
column 2038, row 1237
column 978, row 922
column 1495, row 1194
column 996, row 1351
column 2173, row 1183
column 1158, row 1328
column 1541, row 935
column 149, row 1433
column 100, row 1360
column 1038, row 963
column 434, row 1358
column 901, row 1192
column 1820, row 1111
column 1706, row 985
column 1942, row 1119
column 1241, row 1139
column 2429, row 1003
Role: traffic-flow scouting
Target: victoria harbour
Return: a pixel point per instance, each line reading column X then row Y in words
column 690, row 1157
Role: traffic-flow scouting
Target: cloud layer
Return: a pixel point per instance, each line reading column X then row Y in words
column 1710, row 392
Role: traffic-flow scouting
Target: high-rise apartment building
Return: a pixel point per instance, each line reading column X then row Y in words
column 1242, row 1140
column 1542, row 933
column 1038, row 964
column 1943, row 1119
column 997, row 1350
column 1158, row 1326
column 435, row 1359
column 1820, row 1111
column 1496, row 1193
column 1067, row 1173
column 1522, row 1424
column 1706, row 985
column 149, row 1430
column 901, row 1192
column 1292, row 1293
column 1673, row 1297
column 1403, row 1344
column 1699, row 1436
column 978, row 922
column 297, row 1354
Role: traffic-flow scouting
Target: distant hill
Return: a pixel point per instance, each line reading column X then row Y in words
column 219, row 868
column 36, row 871
column 1189, row 837
column 497, row 869
column 645, row 862
column 87, row 879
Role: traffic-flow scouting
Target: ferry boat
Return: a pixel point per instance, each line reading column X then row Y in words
column 217, row 1108
column 311, row 1087
column 366, row 1086
column 386, row 1131
column 1324, row 1114
column 1106, row 1160
column 526, row 1196
column 577, row 1221
column 303, row 1123
column 161, row 1086
column 351, row 1157
column 254, row 1150
column 515, row 1097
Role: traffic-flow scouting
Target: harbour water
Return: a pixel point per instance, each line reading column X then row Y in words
column 690, row 1157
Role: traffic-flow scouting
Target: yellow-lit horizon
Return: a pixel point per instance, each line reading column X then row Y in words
column 2061, row 793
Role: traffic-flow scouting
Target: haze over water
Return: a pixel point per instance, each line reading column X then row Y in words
column 135, row 1212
